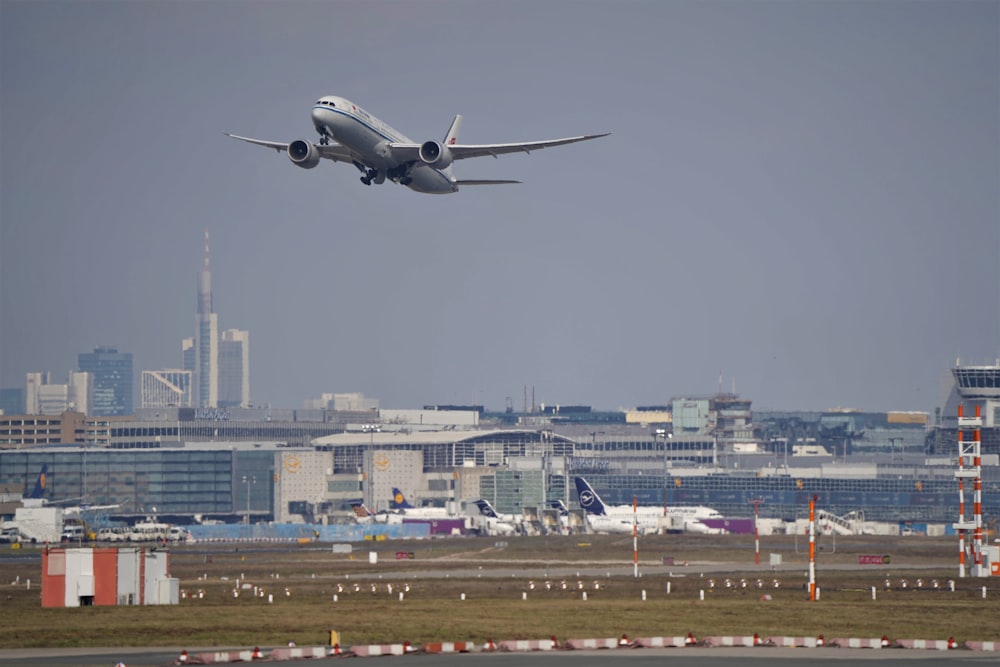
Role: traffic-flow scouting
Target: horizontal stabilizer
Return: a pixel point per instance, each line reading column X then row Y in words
column 484, row 182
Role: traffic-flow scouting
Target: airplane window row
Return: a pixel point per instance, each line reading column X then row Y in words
column 326, row 103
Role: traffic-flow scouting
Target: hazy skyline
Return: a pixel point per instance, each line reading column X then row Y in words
column 803, row 196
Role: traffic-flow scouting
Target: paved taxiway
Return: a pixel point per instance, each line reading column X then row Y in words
column 694, row 657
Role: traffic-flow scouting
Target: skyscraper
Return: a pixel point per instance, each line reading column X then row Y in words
column 234, row 369
column 111, row 372
column 166, row 387
column 206, row 342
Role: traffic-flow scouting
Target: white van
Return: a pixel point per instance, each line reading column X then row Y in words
column 177, row 534
column 110, row 535
column 148, row 531
column 72, row 533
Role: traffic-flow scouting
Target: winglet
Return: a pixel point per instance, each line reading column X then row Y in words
column 452, row 136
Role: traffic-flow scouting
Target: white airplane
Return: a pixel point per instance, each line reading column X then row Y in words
column 381, row 153
column 497, row 524
column 620, row 518
column 399, row 503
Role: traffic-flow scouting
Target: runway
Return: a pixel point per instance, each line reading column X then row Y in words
column 694, row 657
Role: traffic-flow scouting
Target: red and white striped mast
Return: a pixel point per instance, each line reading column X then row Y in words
column 812, row 549
column 756, row 535
column 635, row 538
column 970, row 452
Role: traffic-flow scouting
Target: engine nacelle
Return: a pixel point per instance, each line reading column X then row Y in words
column 434, row 154
column 303, row 154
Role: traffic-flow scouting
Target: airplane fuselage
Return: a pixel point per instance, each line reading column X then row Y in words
column 368, row 138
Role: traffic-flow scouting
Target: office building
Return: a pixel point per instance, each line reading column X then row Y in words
column 12, row 401
column 168, row 387
column 111, row 370
column 42, row 397
column 234, row 369
column 206, row 342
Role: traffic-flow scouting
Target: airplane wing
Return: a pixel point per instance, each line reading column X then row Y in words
column 334, row 152
column 409, row 152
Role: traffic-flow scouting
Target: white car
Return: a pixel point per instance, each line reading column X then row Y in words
column 110, row 535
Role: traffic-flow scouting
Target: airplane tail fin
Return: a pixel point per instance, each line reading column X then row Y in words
column 452, row 136
column 39, row 490
column 399, row 501
column 559, row 505
column 589, row 500
column 485, row 508
column 360, row 511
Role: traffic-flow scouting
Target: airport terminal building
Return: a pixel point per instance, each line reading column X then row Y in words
column 310, row 465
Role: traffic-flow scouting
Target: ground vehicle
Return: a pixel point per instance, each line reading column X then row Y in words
column 10, row 535
column 72, row 533
column 111, row 535
column 149, row 531
column 177, row 534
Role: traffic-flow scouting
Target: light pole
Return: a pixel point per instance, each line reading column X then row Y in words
column 248, row 480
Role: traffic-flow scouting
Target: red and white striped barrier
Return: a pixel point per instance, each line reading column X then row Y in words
column 983, row 646
column 755, row 640
column 935, row 644
column 489, row 645
column 586, row 644
column 449, row 647
column 529, row 644
column 368, row 650
column 796, row 642
column 665, row 642
column 296, row 652
column 856, row 642
column 216, row 657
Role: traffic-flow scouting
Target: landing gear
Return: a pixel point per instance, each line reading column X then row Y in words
column 373, row 175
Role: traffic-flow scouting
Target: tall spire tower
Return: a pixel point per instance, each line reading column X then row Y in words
column 206, row 342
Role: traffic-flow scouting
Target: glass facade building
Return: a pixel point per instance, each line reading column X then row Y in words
column 166, row 482
column 111, row 370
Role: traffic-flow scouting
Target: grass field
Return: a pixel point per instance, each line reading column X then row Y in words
column 553, row 573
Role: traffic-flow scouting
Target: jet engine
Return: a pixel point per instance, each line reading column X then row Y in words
column 434, row 154
column 303, row 154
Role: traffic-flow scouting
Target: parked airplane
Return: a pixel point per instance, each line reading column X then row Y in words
column 619, row 518
column 497, row 524
column 399, row 502
column 364, row 515
column 380, row 152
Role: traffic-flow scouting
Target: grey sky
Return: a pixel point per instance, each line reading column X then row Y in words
column 803, row 195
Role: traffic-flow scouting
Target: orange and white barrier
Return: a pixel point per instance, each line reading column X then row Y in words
column 796, row 642
column 368, row 650
column 296, row 652
column 856, row 642
column 665, row 642
column 734, row 641
column 587, row 644
column 983, row 646
column 938, row 644
column 529, row 644
column 449, row 647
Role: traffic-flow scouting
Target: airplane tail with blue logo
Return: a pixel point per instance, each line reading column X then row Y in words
column 399, row 501
column 39, row 490
column 589, row 500
column 486, row 509
column 558, row 504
